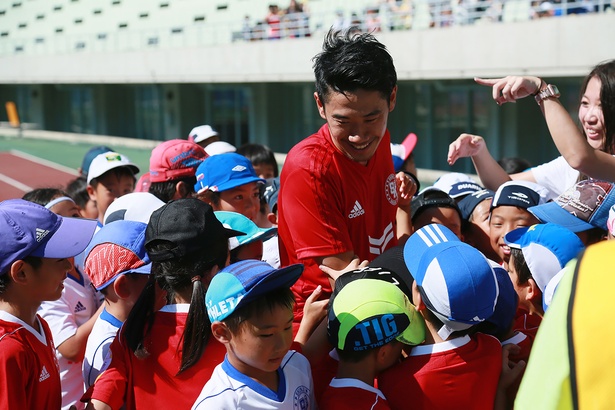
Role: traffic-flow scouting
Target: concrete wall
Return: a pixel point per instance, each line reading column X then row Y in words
column 562, row 47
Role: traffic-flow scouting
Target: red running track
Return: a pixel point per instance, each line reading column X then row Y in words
column 20, row 173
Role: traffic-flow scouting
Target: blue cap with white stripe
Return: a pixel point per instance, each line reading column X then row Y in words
column 456, row 281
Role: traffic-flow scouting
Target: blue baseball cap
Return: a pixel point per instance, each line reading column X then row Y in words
column 471, row 201
column 222, row 172
column 456, row 281
column 117, row 249
column 239, row 222
column 584, row 206
column 546, row 248
column 522, row 194
column 244, row 282
column 29, row 229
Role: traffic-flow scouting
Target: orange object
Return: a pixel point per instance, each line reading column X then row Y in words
column 11, row 111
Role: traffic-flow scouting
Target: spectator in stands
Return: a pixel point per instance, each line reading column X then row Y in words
column 588, row 152
column 172, row 167
column 372, row 20
column 296, row 20
column 34, row 259
column 110, row 176
column 72, row 316
column 339, row 194
column 273, row 20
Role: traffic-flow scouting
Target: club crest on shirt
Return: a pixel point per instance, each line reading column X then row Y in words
column 301, row 398
column 390, row 189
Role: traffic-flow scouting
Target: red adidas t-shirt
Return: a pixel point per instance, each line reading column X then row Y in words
column 352, row 394
column 153, row 382
column 29, row 371
column 329, row 204
column 461, row 373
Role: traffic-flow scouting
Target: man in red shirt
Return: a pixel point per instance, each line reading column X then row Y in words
column 339, row 195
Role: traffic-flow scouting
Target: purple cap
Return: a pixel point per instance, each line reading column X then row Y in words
column 28, row 229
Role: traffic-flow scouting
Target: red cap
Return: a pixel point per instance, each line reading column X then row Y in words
column 175, row 159
column 409, row 143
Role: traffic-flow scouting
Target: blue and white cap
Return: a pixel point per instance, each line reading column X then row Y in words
column 226, row 171
column 456, row 281
column 243, row 282
column 546, row 248
column 522, row 194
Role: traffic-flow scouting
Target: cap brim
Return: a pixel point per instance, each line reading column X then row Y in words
column 409, row 143
column 415, row 332
column 263, row 234
column 278, row 279
column 70, row 239
column 143, row 270
column 513, row 238
column 552, row 212
column 233, row 183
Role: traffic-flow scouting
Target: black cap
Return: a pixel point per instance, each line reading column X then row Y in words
column 429, row 198
column 469, row 202
column 190, row 224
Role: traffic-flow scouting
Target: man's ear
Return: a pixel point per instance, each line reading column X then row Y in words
column 393, row 99
column 221, row 332
column 321, row 106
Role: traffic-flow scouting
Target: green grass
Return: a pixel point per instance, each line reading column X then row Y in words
column 69, row 154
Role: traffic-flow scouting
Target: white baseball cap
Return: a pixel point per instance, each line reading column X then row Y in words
column 108, row 161
column 219, row 147
column 202, row 132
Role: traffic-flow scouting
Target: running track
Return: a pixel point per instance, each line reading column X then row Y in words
column 20, row 173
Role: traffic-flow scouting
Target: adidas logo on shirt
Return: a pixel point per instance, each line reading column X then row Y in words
column 40, row 234
column 44, row 374
column 79, row 307
column 357, row 210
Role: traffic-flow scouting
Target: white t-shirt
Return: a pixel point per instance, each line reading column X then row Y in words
column 271, row 252
column 230, row 389
column 557, row 176
column 76, row 305
column 103, row 332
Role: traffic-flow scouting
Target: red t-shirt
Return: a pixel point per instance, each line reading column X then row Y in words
column 329, row 204
column 461, row 373
column 153, row 382
column 352, row 394
column 29, row 371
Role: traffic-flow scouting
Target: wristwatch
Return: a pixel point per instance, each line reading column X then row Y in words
column 551, row 91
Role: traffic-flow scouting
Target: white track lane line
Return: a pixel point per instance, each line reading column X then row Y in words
column 15, row 183
column 45, row 162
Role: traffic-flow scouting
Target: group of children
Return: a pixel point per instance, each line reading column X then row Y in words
column 176, row 296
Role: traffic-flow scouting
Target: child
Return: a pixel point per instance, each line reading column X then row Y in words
column 78, row 190
column 228, row 182
column 475, row 221
column 403, row 157
column 136, row 206
column 262, row 159
column 250, row 245
column 165, row 344
column 110, row 176
column 454, row 290
column 269, row 218
column 509, row 210
column 119, row 268
column 369, row 322
column 538, row 253
column 172, row 166
column 203, row 135
column 72, row 316
column 457, row 185
column 250, row 306
column 33, row 266
column 433, row 205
